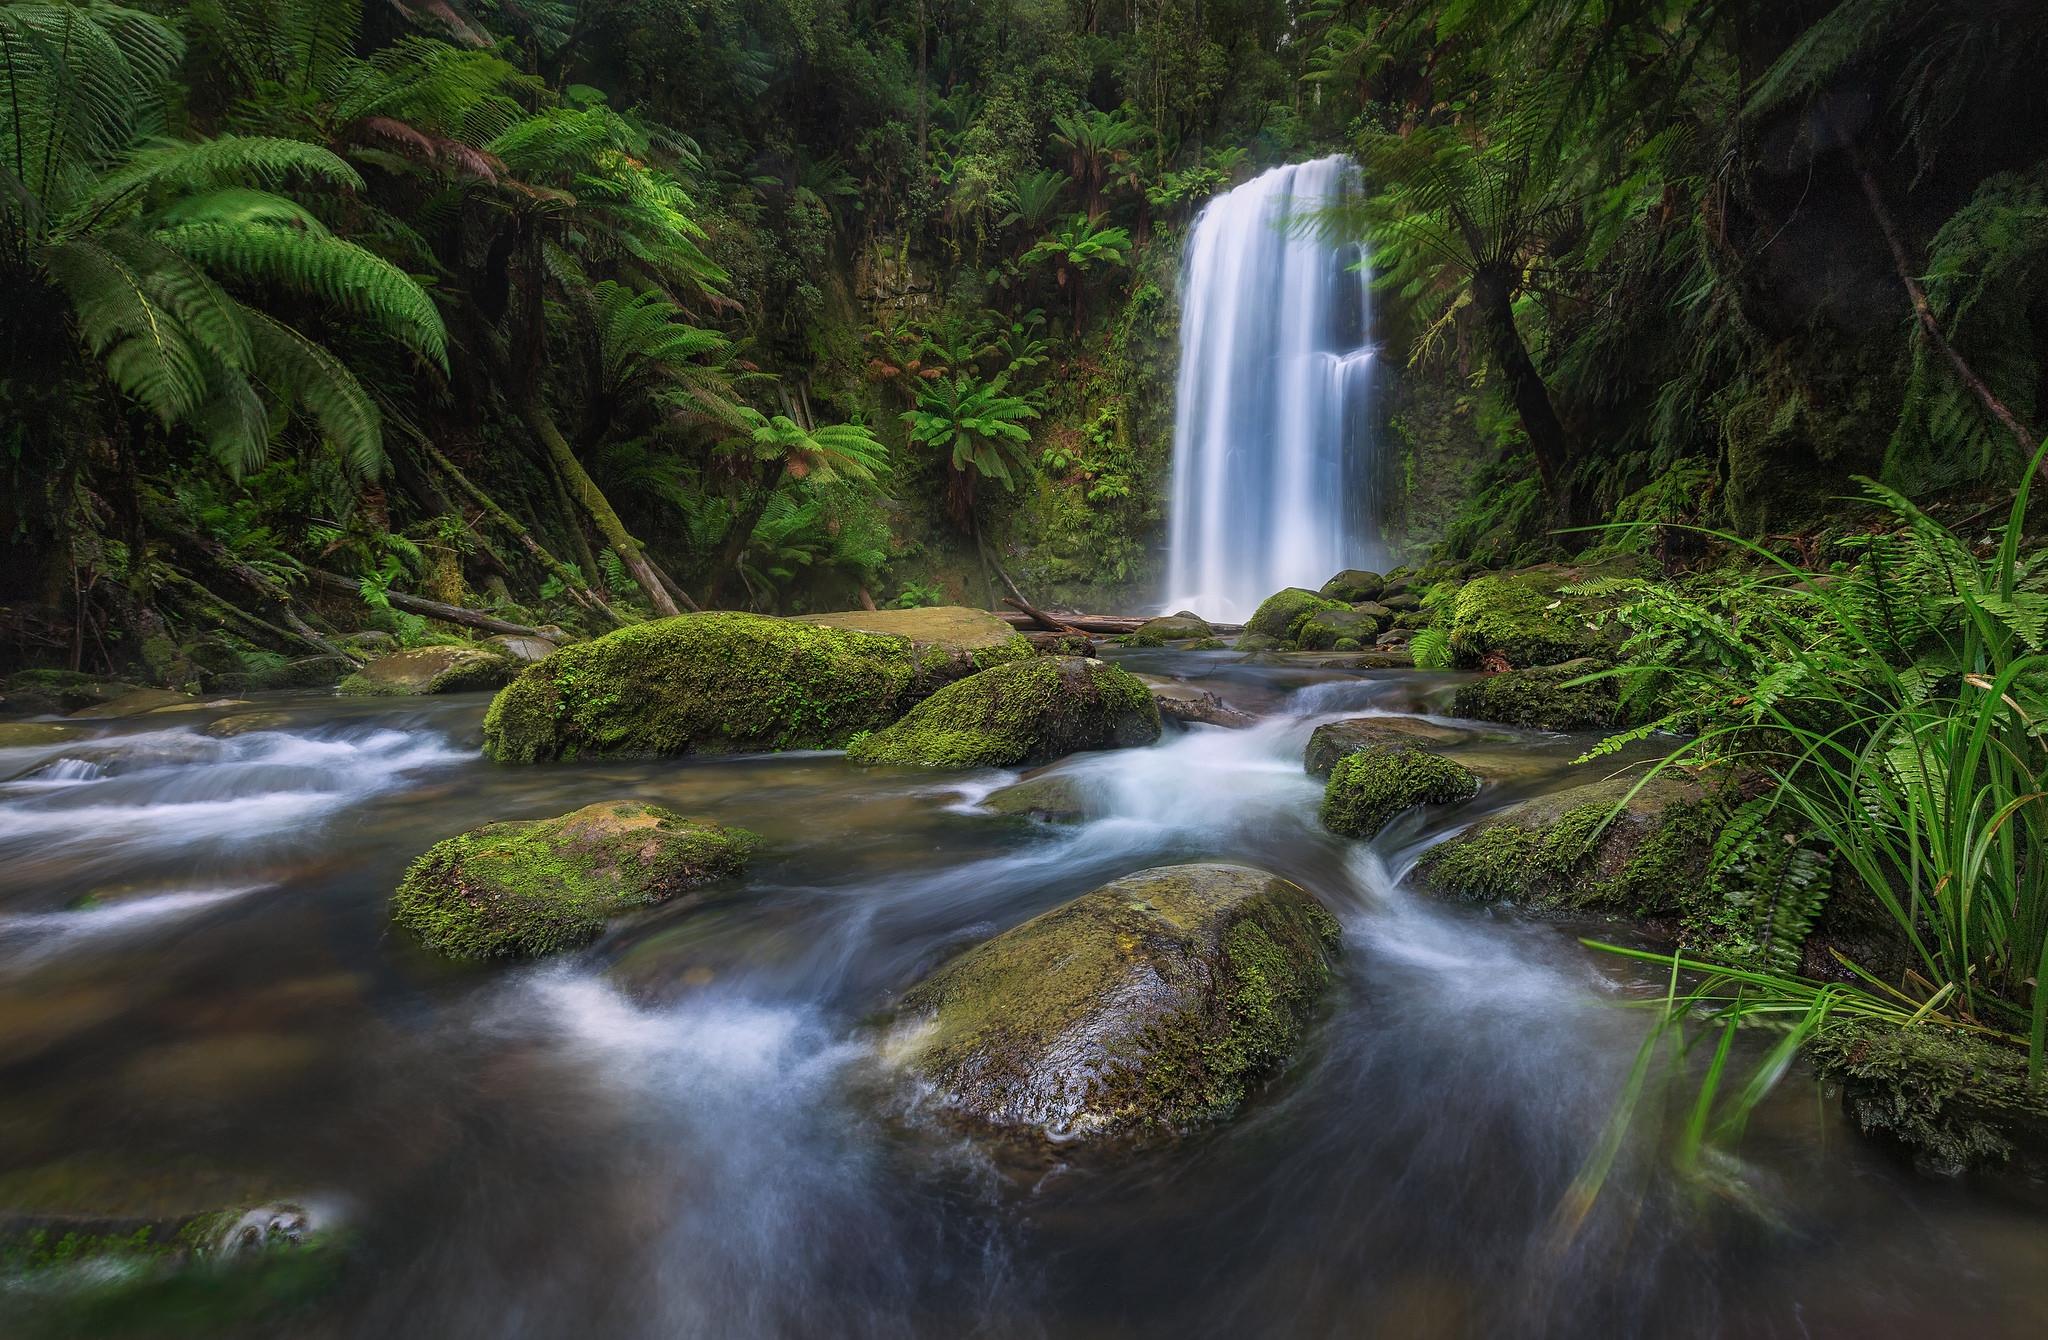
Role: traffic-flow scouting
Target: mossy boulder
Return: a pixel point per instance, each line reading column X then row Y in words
column 1958, row 1102
column 134, row 703
column 1167, row 628
column 1612, row 847
column 1401, row 602
column 978, row 637
column 718, row 682
column 1334, row 739
column 1542, row 698
column 1055, row 799
column 1340, row 629
column 1180, row 701
column 1281, row 614
column 1353, row 585
column 450, row 669
column 1019, row 714
column 33, row 734
column 532, row 887
column 519, row 648
column 40, row 692
column 1369, row 786
column 1520, row 618
column 1145, row 1008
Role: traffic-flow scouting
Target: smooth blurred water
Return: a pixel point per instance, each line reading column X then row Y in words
column 1272, row 451
column 684, row 1129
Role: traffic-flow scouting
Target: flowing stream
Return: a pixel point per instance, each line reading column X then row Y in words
column 1272, row 449
column 682, row 1131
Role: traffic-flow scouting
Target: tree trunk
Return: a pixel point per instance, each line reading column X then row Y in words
column 511, row 525
column 742, row 531
column 586, row 492
column 1493, row 295
column 430, row 609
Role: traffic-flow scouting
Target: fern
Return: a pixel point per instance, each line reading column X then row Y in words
column 1431, row 648
column 1768, row 881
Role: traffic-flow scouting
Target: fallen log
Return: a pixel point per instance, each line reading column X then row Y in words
column 430, row 609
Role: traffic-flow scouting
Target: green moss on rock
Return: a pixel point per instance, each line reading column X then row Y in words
column 1334, row 739
column 1520, row 617
column 1353, row 585
column 1957, row 1101
column 454, row 669
column 1167, row 628
column 1139, row 1010
column 527, row 888
column 1370, row 786
column 1571, row 850
column 1281, row 614
column 1019, row 714
column 1330, row 629
column 1542, row 698
column 720, row 682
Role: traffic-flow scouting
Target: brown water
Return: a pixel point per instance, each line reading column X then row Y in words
column 679, row 1131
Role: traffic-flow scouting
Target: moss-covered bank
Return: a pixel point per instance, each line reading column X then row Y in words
column 531, row 887
column 1956, row 1101
column 1547, row 697
column 716, row 682
column 1141, row 1009
column 1019, row 714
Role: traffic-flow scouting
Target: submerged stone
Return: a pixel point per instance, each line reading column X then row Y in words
column 1353, row 585
column 134, row 703
column 722, row 681
column 1281, row 614
column 1542, row 698
column 1145, row 1008
column 449, row 669
column 1019, row 714
column 1369, row 786
column 1054, row 799
column 1623, row 846
column 531, row 887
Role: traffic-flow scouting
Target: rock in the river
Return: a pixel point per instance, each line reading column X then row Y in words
column 449, row 669
column 1959, row 1102
column 246, row 723
column 717, row 682
column 29, row 734
column 1340, row 629
column 37, row 692
column 531, row 887
column 1281, row 614
column 1333, row 740
column 1018, row 714
column 1353, row 585
column 519, row 648
column 1145, row 1008
column 134, row 703
column 1542, row 698
column 1572, row 851
column 1523, row 618
column 1369, row 786
column 1055, row 798
column 1180, row 701
column 1170, row 628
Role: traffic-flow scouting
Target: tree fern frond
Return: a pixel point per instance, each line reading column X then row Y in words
column 299, row 371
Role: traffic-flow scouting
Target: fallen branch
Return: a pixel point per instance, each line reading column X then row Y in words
column 218, row 554
column 512, row 526
column 1044, row 620
column 430, row 609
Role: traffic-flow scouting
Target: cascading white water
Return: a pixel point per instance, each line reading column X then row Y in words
column 1271, row 448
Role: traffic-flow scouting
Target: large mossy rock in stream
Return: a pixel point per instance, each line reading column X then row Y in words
column 1347, row 629
column 1369, row 786
column 1147, row 1007
column 1281, row 614
column 1334, row 739
column 718, row 682
column 531, row 887
column 1019, row 714
column 1353, row 585
column 1624, row 846
column 1522, row 619
column 1956, row 1101
column 1180, row 627
column 1543, row 698
column 450, row 669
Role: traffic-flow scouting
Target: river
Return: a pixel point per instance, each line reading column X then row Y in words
column 680, row 1131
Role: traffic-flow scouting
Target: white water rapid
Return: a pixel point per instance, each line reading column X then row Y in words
column 1272, row 479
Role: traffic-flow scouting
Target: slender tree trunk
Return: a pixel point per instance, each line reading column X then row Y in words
column 511, row 525
column 922, row 66
column 1492, row 295
column 1923, row 311
column 742, row 531
column 586, row 492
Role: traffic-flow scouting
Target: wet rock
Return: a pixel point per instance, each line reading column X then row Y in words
column 1353, row 585
column 1060, row 644
column 1054, row 799
column 1170, row 628
column 1401, row 602
column 1957, row 1101
column 211, row 704
column 1019, row 714
column 134, row 703
column 1335, row 739
column 718, row 682
column 1140, row 1010
column 1257, row 642
column 1607, row 846
column 1369, row 786
column 1542, row 698
column 450, row 669
column 45, row 692
column 30, row 734
column 532, row 887
column 1343, row 628
column 371, row 642
column 1520, row 619
column 1395, row 637
column 1281, row 614
column 243, row 723
column 520, row 649
column 1185, row 703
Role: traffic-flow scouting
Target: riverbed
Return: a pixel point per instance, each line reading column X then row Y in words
column 682, row 1129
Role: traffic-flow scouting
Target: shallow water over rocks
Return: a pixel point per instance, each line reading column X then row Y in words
column 683, row 1129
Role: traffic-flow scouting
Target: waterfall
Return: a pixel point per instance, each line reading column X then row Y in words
column 1271, row 472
